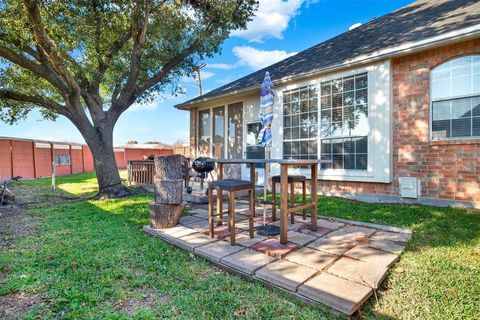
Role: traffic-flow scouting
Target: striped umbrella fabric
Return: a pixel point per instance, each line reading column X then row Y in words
column 266, row 110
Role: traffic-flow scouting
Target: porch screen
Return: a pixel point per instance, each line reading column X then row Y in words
column 218, row 132
column 344, row 122
column 300, row 123
column 456, row 99
column 204, row 133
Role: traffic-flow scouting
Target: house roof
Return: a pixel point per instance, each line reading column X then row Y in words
column 413, row 23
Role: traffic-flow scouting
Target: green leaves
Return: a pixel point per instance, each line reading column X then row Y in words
column 115, row 50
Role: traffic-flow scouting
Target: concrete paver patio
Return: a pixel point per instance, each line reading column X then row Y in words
column 338, row 266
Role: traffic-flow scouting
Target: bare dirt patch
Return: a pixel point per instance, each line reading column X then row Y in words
column 14, row 305
column 15, row 223
column 143, row 298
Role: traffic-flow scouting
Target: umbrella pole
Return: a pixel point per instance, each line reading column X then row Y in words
column 265, row 185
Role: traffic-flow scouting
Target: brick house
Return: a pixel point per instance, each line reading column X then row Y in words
column 394, row 104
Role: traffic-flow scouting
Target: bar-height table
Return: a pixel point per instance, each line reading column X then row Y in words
column 284, row 165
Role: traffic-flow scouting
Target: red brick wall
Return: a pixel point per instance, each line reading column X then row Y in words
column 120, row 159
column 43, row 162
column 23, row 164
column 63, row 169
column 448, row 170
column 77, row 160
column 88, row 165
column 5, row 159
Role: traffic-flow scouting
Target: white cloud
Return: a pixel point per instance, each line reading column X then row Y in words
column 222, row 66
column 271, row 19
column 155, row 103
column 258, row 59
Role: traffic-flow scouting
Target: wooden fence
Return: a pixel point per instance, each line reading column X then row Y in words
column 141, row 172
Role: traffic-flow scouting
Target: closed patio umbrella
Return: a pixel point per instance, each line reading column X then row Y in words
column 265, row 136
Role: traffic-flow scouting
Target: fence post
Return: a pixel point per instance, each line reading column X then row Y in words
column 53, row 175
column 129, row 173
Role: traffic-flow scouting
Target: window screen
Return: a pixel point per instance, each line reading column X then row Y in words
column 456, row 99
column 344, row 122
column 300, row 123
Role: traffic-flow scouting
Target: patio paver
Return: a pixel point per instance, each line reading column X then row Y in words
column 243, row 239
column 247, row 261
column 371, row 255
column 320, row 232
column 351, row 234
column 392, row 236
column 329, row 224
column 330, row 246
column 274, row 248
column 298, row 237
column 339, row 265
column 217, row 250
column 311, row 258
column 193, row 240
column 386, row 245
column 285, row 274
column 340, row 294
column 187, row 220
column 368, row 274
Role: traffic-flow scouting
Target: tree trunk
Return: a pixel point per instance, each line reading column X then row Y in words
column 108, row 178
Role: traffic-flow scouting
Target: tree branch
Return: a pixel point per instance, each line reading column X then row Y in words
column 37, row 100
column 37, row 69
column 47, row 46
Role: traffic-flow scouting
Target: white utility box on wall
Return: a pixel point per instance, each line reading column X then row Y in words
column 410, row 187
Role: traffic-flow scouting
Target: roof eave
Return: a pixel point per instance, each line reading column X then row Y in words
column 407, row 48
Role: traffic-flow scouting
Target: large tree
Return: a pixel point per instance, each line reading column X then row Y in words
column 90, row 60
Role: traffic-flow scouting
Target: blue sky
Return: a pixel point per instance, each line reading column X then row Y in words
column 280, row 28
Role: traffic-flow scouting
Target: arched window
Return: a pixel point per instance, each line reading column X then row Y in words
column 455, row 96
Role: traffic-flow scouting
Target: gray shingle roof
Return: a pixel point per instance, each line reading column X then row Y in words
column 417, row 21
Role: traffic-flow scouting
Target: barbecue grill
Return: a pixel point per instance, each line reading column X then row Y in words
column 202, row 167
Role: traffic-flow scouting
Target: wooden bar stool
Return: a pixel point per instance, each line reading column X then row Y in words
column 231, row 186
column 292, row 179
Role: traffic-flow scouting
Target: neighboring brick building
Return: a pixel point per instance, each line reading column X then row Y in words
column 33, row 158
column 393, row 104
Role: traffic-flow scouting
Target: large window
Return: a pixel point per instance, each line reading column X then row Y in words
column 344, row 122
column 300, row 123
column 455, row 99
column 61, row 159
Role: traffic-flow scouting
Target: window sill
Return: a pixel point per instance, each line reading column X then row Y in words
column 453, row 142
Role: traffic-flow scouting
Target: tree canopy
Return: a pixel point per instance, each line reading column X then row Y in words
column 90, row 60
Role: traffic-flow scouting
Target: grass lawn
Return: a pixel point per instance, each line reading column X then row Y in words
column 89, row 259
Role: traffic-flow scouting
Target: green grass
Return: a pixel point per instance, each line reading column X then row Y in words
column 89, row 259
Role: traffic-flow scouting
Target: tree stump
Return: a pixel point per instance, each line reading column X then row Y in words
column 168, row 191
column 168, row 186
column 169, row 167
column 164, row 216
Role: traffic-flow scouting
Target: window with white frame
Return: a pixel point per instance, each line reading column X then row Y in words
column 300, row 123
column 344, row 122
column 455, row 96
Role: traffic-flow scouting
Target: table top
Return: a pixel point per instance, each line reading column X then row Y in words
column 298, row 162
